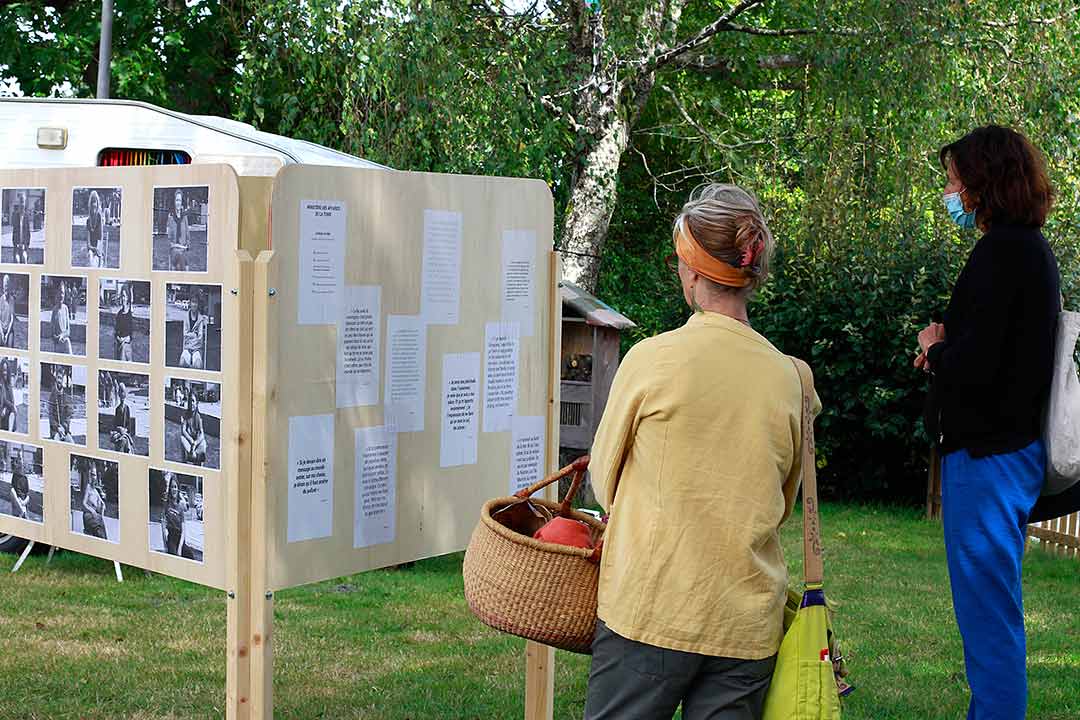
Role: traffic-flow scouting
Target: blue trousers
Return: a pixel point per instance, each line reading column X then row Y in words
column 986, row 503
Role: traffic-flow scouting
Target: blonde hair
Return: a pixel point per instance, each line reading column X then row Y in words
column 727, row 222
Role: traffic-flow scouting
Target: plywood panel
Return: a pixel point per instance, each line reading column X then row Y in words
column 135, row 263
column 437, row 508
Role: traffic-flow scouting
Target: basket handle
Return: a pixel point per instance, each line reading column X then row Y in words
column 577, row 467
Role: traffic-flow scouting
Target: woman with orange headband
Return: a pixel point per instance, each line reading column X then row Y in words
column 697, row 461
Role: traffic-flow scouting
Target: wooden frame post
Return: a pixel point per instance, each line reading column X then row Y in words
column 249, row 673
column 264, row 367
column 238, row 615
column 540, row 659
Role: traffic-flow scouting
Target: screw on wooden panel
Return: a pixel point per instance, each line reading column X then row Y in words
column 273, row 292
column 232, row 595
column 234, row 291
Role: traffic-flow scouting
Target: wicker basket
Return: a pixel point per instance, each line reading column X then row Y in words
column 533, row 589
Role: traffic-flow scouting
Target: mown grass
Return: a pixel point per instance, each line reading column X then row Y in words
column 402, row 644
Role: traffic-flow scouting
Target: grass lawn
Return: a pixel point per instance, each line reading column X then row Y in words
column 402, row 644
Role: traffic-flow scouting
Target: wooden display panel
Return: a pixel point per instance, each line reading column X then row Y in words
column 223, row 268
column 437, row 507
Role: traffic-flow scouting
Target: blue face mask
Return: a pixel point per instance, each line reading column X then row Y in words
column 955, row 206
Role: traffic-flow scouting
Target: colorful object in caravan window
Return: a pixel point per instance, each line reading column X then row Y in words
column 118, row 157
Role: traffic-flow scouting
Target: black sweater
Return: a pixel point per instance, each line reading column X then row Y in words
column 992, row 374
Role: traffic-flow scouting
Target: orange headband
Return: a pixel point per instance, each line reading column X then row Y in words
column 704, row 264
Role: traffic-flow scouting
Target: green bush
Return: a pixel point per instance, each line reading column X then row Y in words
column 854, row 315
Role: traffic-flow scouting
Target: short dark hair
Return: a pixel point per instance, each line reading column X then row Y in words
column 1005, row 171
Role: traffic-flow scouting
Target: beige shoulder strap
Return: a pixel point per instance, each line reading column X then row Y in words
column 813, row 565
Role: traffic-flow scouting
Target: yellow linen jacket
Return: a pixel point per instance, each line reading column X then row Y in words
column 697, row 459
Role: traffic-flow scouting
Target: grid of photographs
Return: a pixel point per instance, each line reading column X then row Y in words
column 130, row 420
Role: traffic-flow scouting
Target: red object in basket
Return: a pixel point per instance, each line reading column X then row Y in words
column 564, row 531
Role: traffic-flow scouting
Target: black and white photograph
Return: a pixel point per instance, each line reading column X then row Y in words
column 124, row 320
column 95, row 497
column 63, row 314
column 176, row 514
column 193, row 422
column 124, row 412
column 15, row 311
column 22, row 226
column 95, row 227
column 15, row 395
column 193, row 326
column 181, row 216
column 22, row 482
column 62, row 410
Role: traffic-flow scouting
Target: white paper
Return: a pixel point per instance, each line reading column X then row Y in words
column 460, row 407
column 311, row 477
column 406, row 372
column 527, row 453
column 440, row 294
column 519, row 279
column 376, row 487
column 322, row 260
column 359, row 330
column 501, row 351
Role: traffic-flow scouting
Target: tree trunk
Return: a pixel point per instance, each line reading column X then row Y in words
column 593, row 194
column 607, row 110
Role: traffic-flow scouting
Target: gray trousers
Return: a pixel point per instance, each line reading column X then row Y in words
column 634, row 681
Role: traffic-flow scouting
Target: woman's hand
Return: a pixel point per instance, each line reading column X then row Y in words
column 922, row 363
column 931, row 335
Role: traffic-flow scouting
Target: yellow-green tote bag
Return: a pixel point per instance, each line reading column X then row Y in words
column 803, row 684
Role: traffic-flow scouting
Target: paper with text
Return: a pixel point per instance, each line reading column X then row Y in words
column 311, row 477
column 358, row 334
column 527, row 451
column 460, row 407
column 519, row 279
column 323, row 226
column 406, row 372
column 376, row 487
column 501, row 353
column 440, row 293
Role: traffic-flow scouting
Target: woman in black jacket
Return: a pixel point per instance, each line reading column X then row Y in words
column 992, row 362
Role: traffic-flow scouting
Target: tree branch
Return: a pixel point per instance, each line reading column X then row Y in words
column 708, row 136
column 558, row 112
column 712, row 63
column 702, row 37
column 788, row 32
column 1000, row 24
